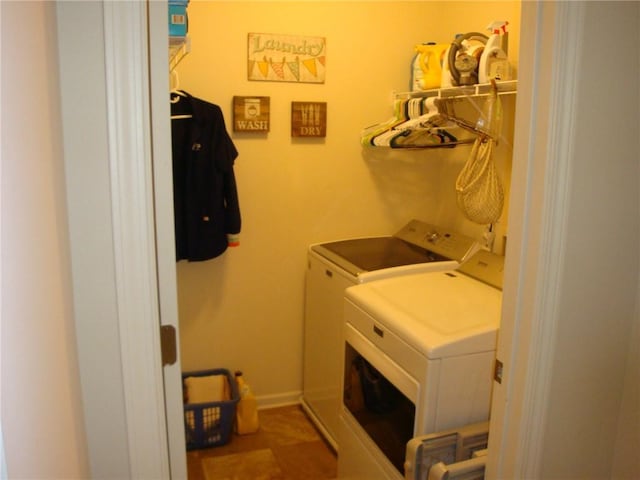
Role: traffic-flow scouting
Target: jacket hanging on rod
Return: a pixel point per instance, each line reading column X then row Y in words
column 205, row 197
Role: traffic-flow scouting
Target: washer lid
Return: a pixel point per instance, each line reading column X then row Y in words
column 440, row 314
column 360, row 255
column 416, row 243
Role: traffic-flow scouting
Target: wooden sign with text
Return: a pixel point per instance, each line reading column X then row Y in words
column 308, row 119
column 251, row 114
column 286, row 58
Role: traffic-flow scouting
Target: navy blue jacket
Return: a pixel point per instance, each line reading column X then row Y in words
column 205, row 196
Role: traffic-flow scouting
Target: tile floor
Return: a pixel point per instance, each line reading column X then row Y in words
column 287, row 447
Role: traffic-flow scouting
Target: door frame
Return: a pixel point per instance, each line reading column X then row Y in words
column 162, row 163
column 538, row 214
column 147, row 287
column 139, row 156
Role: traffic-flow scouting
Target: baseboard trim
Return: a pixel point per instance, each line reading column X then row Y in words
column 279, row 400
column 318, row 424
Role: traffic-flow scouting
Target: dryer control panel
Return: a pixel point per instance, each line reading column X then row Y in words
column 486, row 267
column 447, row 243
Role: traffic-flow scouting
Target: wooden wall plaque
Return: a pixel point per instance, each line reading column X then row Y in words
column 308, row 119
column 286, row 58
column 251, row 114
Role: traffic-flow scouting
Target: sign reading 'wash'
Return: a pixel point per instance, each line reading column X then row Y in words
column 251, row 114
column 286, row 58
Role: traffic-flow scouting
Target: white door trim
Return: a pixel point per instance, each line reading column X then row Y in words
column 126, row 46
column 537, row 238
column 164, row 227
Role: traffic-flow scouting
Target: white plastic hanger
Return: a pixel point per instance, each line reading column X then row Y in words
column 176, row 94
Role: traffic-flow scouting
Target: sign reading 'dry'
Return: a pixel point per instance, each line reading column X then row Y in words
column 308, row 119
column 286, row 58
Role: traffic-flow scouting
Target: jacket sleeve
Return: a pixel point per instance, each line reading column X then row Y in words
column 225, row 155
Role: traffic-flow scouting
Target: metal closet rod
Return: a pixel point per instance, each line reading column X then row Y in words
column 179, row 47
column 503, row 87
column 446, row 109
column 446, row 97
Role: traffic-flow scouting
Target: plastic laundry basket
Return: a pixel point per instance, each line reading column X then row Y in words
column 210, row 424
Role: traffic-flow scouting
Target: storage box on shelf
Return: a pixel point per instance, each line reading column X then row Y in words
column 178, row 20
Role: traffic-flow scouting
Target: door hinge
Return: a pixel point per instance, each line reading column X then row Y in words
column 168, row 344
column 497, row 371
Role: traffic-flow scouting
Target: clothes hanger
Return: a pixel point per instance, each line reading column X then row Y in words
column 174, row 81
column 369, row 134
column 175, row 94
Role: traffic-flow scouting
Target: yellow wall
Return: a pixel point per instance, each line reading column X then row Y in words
column 244, row 310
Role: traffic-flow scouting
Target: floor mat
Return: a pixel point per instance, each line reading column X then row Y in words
column 252, row 465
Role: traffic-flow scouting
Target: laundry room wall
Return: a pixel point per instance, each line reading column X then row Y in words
column 244, row 309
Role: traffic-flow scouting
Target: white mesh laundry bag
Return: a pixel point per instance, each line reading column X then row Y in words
column 478, row 187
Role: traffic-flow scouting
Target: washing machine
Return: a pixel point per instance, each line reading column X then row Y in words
column 418, row 358
column 334, row 266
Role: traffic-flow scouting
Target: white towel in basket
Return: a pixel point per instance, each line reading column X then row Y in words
column 209, row 388
column 206, row 389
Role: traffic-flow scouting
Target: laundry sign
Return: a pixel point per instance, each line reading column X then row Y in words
column 286, row 58
column 251, row 114
column 308, row 119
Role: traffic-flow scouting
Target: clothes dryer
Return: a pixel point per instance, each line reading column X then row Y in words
column 419, row 352
column 334, row 266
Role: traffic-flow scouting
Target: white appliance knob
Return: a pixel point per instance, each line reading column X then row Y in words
column 432, row 237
